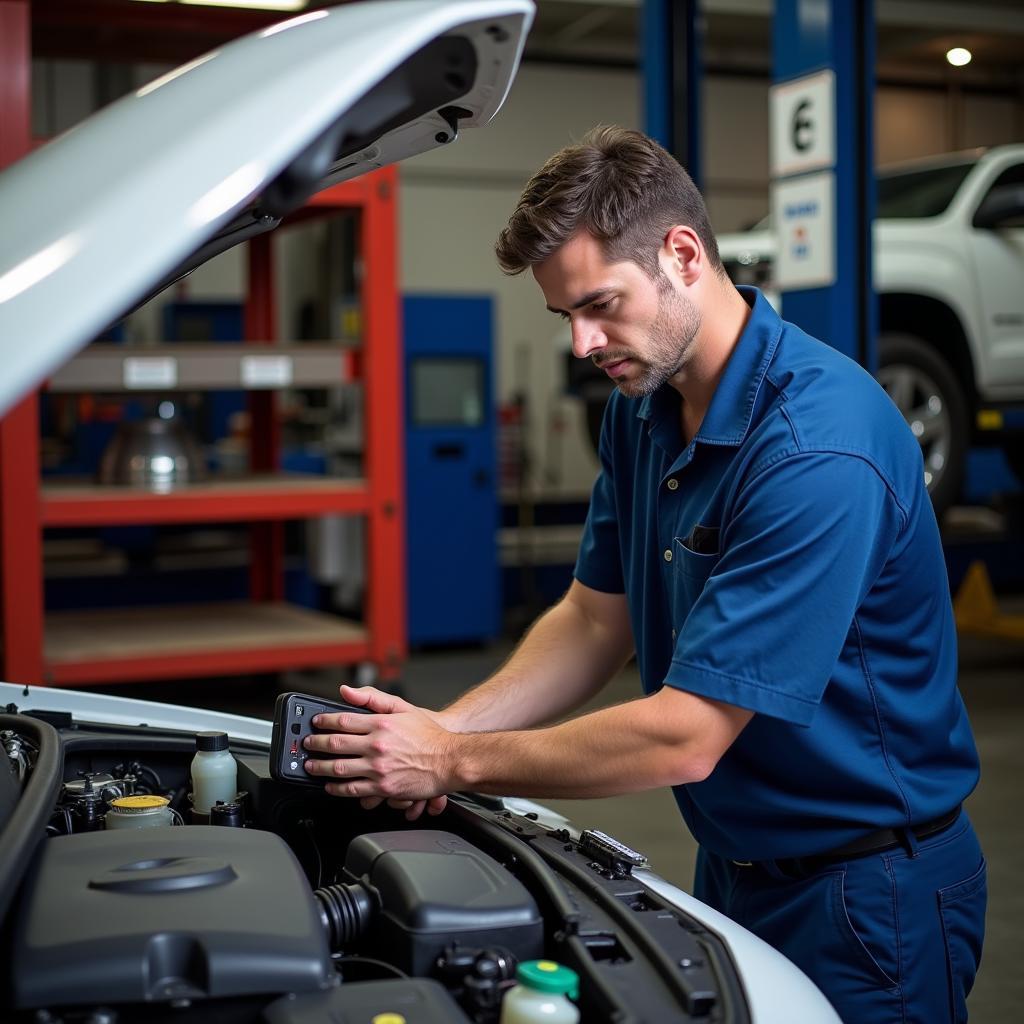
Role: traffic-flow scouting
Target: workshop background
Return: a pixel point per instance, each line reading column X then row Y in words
column 201, row 586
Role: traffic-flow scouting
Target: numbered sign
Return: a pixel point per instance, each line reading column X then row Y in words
column 803, row 134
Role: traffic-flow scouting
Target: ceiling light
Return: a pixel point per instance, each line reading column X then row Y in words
column 958, row 56
column 261, row 5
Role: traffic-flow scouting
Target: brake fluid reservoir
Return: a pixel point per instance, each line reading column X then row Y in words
column 214, row 772
column 542, row 994
column 142, row 811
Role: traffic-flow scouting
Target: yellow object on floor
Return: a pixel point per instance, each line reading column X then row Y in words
column 976, row 610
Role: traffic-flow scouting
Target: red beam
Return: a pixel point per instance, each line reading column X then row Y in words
column 21, row 555
column 266, row 545
column 384, row 419
column 127, row 31
column 207, row 663
column 232, row 504
column 15, row 80
column 111, row 15
column 123, row 30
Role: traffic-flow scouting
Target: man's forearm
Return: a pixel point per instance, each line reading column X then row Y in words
column 402, row 752
column 622, row 749
column 565, row 658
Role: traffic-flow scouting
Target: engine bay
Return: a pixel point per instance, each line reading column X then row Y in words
column 289, row 905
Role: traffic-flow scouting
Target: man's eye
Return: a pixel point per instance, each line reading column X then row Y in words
column 562, row 315
column 601, row 307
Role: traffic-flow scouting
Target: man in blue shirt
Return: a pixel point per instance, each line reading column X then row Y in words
column 761, row 537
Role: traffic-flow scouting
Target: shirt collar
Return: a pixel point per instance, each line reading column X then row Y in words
column 732, row 405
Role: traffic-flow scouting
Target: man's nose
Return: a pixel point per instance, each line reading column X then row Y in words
column 587, row 339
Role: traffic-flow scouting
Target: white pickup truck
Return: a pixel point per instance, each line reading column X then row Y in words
column 949, row 273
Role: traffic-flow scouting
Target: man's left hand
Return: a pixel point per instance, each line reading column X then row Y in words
column 398, row 753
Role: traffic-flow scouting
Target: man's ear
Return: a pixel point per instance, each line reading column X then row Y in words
column 682, row 255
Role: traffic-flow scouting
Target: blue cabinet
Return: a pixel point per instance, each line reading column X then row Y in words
column 451, row 470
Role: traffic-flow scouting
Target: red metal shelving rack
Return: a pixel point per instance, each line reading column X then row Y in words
column 88, row 647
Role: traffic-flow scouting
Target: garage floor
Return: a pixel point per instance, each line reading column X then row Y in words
column 993, row 686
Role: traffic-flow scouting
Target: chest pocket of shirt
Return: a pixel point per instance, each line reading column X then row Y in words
column 693, row 560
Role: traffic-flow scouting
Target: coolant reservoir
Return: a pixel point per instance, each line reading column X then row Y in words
column 542, row 994
column 214, row 772
column 142, row 811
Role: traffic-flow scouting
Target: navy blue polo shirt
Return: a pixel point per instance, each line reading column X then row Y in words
column 788, row 561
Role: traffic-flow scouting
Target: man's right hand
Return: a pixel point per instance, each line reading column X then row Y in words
column 413, row 809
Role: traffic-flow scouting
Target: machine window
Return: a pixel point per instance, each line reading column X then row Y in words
column 447, row 391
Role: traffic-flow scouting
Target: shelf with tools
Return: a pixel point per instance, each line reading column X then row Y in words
column 96, row 646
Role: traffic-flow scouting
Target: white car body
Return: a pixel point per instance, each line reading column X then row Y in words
column 950, row 284
column 977, row 273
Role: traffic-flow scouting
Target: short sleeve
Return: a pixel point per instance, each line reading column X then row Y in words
column 806, row 539
column 599, row 563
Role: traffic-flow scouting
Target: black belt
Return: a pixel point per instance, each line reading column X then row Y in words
column 874, row 842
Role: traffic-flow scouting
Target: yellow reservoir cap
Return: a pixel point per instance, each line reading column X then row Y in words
column 144, row 802
column 388, row 1018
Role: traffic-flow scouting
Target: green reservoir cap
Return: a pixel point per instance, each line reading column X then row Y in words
column 547, row 976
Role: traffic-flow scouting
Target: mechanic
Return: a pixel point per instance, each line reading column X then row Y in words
column 761, row 536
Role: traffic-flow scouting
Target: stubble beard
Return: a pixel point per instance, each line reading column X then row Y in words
column 670, row 338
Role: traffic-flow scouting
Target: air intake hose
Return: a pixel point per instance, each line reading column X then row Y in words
column 346, row 911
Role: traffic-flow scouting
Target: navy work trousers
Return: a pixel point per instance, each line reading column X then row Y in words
column 894, row 936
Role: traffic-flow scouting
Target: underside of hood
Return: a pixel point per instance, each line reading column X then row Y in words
column 222, row 148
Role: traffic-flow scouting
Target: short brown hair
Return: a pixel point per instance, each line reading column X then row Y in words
column 618, row 185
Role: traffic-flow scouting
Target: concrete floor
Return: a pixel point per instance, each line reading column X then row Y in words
column 992, row 682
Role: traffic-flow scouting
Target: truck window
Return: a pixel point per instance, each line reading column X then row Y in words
column 903, row 194
column 1011, row 176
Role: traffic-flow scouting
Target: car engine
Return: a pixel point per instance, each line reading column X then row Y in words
column 289, row 906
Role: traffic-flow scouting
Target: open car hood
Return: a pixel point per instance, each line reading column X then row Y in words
column 220, row 149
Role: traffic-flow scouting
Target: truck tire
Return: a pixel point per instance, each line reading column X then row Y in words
column 925, row 389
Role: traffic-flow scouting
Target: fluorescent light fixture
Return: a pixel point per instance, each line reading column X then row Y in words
column 262, row 5
column 958, row 56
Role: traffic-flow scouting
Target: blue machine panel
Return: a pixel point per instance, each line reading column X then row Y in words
column 451, row 470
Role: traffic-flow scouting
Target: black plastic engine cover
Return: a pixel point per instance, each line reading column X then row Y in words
column 166, row 913
column 414, row 1000
column 435, row 889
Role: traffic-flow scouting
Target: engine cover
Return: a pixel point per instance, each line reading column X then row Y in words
column 166, row 913
column 436, row 889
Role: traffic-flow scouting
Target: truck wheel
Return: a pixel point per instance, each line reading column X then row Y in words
column 926, row 391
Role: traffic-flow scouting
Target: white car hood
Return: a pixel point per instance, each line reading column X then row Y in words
column 100, row 217
column 103, row 709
